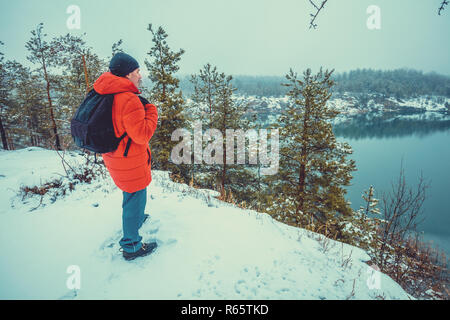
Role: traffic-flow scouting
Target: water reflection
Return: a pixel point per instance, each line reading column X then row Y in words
column 388, row 125
column 380, row 144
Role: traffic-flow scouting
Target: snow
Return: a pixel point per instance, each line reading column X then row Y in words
column 428, row 103
column 349, row 105
column 207, row 249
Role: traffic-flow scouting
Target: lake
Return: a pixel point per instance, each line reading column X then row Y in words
column 423, row 142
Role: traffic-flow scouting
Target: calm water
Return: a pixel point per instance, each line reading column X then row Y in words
column 379, row 147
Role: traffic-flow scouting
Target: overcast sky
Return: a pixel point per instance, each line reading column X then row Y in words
column 254, row 37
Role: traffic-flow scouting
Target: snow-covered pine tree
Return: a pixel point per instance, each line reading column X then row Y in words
column 361, row 230
column 313, row 165
column 42, row 54
column 213, row 104
column 165, row 94
column 203, row 102
column 228, row 114
column 371, row 202
column 205, row 92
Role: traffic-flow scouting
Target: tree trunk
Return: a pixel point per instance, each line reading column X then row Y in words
column 86, row 78
column 10, row 142
column 163, row 74
column 301, row 187
column 55, row 130
column 3, row 133
column 224, row 170
column 302, row 169
column 209, row 97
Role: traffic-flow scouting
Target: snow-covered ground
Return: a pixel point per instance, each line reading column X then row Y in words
column 207, row 249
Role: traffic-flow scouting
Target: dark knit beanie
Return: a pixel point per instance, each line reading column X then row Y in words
column 122, row 64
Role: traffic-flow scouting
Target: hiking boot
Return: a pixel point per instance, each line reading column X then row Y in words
column 146, row 249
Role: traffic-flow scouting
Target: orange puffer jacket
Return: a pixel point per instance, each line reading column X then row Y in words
column 133, row 172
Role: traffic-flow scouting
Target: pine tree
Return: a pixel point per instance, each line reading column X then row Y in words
column 3, row 97
column 203, row 102
column 371, row 206
column 42, row 54
column 78, row 61
column 206, row 85
column 23, row 108
column 213, row 104
column 228, row 114
column 313, row 165
column 165, row 94
column 361, row 230
column 116, row 47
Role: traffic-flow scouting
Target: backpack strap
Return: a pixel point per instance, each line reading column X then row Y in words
column 128, row 143
column 122, row 136
column 127, row 147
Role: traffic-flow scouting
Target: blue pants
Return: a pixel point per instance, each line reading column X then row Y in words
column 133, row 206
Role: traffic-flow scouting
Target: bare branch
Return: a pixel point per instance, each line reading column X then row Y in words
column 402, row 213
column 443, row 4
column 319, row 8
column 314, row 16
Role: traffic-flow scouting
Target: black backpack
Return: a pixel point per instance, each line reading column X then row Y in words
column 92, row 127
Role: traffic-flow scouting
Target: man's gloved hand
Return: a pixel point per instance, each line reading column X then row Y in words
column 143, row 101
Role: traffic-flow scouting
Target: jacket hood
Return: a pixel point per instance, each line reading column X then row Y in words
column 108, row 83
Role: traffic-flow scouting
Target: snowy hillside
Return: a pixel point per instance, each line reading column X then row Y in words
column 349, row 105
column 207, row 249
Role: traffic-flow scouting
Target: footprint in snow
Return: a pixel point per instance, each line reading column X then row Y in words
column 163, row 243
column 152, row 230
column 110, row 248
column 150, row 226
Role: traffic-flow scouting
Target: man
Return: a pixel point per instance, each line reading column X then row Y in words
column 130, row 165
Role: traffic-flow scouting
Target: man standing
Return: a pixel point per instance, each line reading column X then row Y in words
column 130, row 164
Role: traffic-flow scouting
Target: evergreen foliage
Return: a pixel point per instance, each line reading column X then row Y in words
column 24, row 107
column 372, row 203
column 165, row 94
column 214, row 106
column 308, row 189
column 116, row 47
column 43, row 54
column 400, row 83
